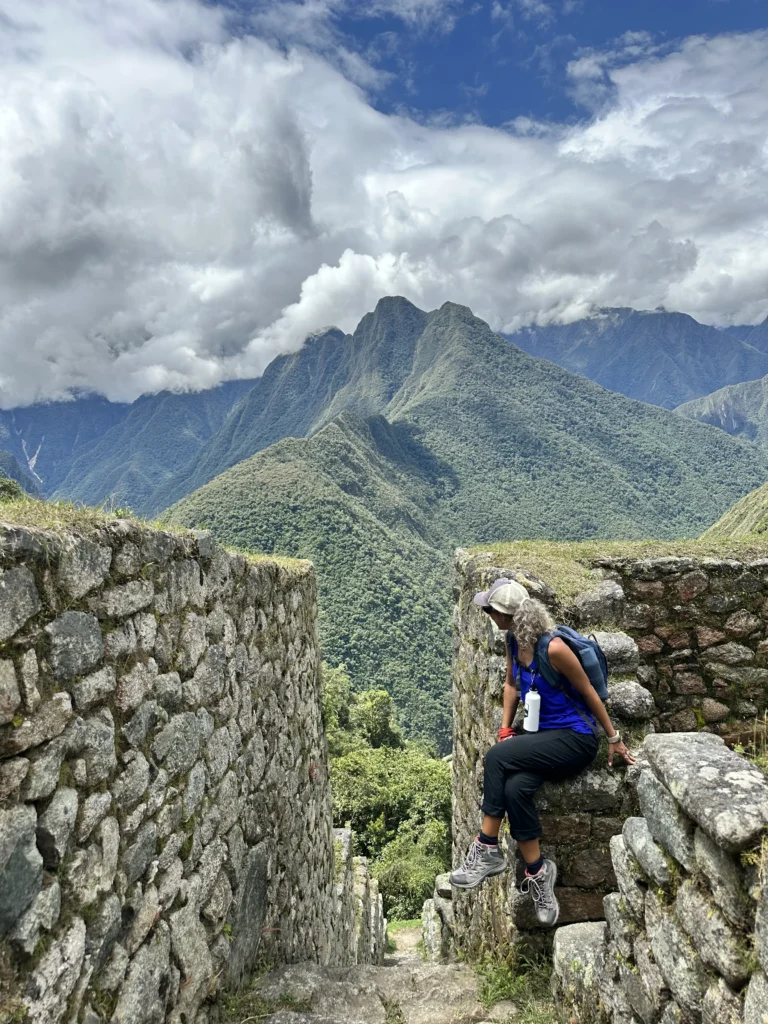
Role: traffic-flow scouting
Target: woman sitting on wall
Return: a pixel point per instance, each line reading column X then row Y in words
column 566, row 742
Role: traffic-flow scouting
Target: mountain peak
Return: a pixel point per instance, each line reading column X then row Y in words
column 390, row 303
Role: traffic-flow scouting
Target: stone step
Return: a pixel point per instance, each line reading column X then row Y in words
column 412, row 993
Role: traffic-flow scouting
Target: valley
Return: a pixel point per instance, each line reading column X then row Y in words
column 375, row 454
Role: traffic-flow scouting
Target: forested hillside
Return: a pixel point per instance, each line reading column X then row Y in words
column 157, row 436
column 655, row 356
column 46, row 438
column 475, row 441
column 354, row 499
column 747, row 517
column 740, row 410
column 11, row 470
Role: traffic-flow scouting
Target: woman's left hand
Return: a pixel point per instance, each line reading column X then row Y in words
column 621, row 750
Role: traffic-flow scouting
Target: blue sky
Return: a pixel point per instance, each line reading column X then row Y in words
column 496, row 61
column 189, row 188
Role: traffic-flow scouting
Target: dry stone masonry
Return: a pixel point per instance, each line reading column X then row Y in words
column 165, row 819
column 700, row 627
column 580, row 816
column 686, row 933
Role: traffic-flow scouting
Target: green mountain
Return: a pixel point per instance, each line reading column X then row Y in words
column 353, row 499
column 747, row 517
column 758, row 336
column 655, row 356
column 157, row 435
column 469, row 440
column 45, row 438
column 300, row 392
column 740, row 410
column 11, row 470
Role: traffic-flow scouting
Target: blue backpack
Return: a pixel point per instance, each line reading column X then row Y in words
column 586, row 649
column 592, row 660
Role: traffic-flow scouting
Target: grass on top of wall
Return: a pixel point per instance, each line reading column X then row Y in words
column 567, row 566
column 20, row 510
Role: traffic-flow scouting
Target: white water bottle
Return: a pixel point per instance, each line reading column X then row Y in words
column 532, row 710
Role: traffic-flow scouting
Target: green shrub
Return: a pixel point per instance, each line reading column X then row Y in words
column 408, row 866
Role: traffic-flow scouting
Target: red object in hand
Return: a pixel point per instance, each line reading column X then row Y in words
column 505, row 733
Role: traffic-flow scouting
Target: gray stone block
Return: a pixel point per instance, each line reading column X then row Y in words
column 94, row 810
column 623, row 929
column 190, row 949
column 648, row 854
column 12, row 775
column 761, row 924
column 756, row 1000
column 177, row 746
column 643, row 983
column 673, row 1015
column 249, row 914
column 53, row 981
column 19, row 600
column 681, row 968
column 129, row 787
column 730, row 654
column 99, row 746
column 55, row 826
column 30, row 674
column 168, row 691
column 669, row 826
column 575, row 954
column 41, row 915
column 94, row 689
column 143, row 723
column 631, row 879
column 621, row 652
column 76, row 644
column 10, row 697
column 91, row 871
column 123, row 600
column 140, row 998
column 48, row 721
column 134, row 685
column 717, row 943
column 720, row 790
column 83, row 565
column 629, row 699
column 603, row 604
column 596, row 789
column 136, row 858
column 103, row 931
column 721, row 1005
column 726, row 880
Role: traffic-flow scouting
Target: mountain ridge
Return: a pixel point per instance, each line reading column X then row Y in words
column 479, row 442
column 741, row 410
column 664, row 358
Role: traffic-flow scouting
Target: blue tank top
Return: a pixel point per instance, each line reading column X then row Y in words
column 557, row 710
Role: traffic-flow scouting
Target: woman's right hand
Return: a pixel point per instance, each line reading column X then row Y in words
column 505, row 732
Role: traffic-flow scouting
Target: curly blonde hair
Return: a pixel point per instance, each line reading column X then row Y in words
column 530, row 621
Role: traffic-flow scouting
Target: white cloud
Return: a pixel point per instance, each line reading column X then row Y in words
column 178, row 204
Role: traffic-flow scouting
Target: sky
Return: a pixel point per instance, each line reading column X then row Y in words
column 188, row 189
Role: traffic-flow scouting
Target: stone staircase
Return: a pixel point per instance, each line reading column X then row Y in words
column 404, row 990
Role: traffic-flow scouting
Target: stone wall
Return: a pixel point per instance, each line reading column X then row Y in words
column 686, row 932
column 579, row 817
column 165, row 817
column 700, row 626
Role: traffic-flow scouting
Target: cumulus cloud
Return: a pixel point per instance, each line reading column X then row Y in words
column 181, row 199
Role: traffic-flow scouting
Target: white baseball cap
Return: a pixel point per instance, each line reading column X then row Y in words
column 505, row 596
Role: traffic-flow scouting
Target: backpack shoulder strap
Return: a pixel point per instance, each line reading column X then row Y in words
column 544, row 666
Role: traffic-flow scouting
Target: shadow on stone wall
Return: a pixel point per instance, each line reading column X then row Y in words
column 165, row 810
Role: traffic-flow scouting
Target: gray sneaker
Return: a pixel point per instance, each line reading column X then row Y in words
column 481, row 862
column 542, row 888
